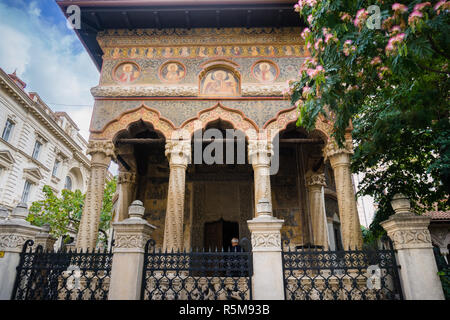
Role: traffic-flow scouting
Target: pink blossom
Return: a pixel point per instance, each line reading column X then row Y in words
column 306, row 91
column 393, row 43
column 375, row 61
column 414, row 17
column 399, row 7
column 442, row 5
column 305, row 33
column 310, row 19
column 420, row 6
column 346, row 17
column 348, row 48
column 395, row 29
column 318, row 44
column 361, row 16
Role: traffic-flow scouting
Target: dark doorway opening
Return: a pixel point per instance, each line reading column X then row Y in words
column 218, row 234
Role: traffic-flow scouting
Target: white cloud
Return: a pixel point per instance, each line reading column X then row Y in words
column 48, row 58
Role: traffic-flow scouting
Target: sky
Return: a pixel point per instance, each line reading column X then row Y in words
column 48, row 56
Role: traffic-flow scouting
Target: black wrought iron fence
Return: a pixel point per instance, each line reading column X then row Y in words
column 316, row 274
column 64, row 275
column 196, row 275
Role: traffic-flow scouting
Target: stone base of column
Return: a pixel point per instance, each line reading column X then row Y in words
column 268, row 277
column 131, row 236
column 13, row 234
column 418, row 272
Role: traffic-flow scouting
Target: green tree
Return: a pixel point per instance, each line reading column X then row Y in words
column 63, row 214
column 391, row 84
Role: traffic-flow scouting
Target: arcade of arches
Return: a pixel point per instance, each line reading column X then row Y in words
column 149, row 108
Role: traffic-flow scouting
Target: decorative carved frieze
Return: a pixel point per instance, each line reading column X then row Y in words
column 12, row 241
column 131, row 241
column 167, row 90
column 332, row 149
column 266, row 240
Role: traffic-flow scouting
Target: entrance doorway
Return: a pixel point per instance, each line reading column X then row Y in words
column 218, row 234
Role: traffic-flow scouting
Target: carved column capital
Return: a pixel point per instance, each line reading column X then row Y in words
column 126, row 177
column 260, row 152
column 178, row 152
column 315, row 179
column 101, row 152
column 338, row 156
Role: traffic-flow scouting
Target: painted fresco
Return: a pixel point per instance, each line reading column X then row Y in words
column 265, row 71
column 219, row 82
column 126, row 73
column 172, row 72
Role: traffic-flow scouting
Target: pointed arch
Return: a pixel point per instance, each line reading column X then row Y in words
column 283, row 118
column 219, row 112
column 144, row 113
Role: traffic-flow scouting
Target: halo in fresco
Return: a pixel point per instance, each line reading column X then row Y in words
column 219, row 82
column 265, row 71
column 172, row 71
column 126, row 73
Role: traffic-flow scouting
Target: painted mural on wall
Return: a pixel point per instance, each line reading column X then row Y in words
column 126, row 73
column 172, row 71
column 219, row 82
column 265, row 71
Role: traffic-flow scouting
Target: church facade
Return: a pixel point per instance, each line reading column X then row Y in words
column 173, row 85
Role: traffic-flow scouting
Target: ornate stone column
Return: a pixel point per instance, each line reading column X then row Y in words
column 348, row 212
column 259, row 154
column 101, row 153
column 14, row 232
column 412, row 240
column 268, row 277
column 131, row 236
column 315, row 181
column 126, row 183
column 179, row 155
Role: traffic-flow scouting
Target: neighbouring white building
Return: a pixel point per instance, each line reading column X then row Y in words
column 37, row 147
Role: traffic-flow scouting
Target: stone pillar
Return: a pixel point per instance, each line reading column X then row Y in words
column 44, row 238
column 14, row 232
column 101, row 153
column 268, row 276
column 126, row 185
column 412, row 240
column 348, row 212
column 131, row 236
column 179, row 155
column 315, row 182
column 259, row 154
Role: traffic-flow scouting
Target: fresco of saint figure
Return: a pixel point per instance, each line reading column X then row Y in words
column 236, row 51
column 116, row 53
column 167, row 52
column 184, row 52
column 271, row 51
column 202, row 52
column 288, row 51
column 254, row 51
column 133, row 53
column 172, row 72
column 219, row 82
column 219, row 51
column 127, row 73
column 150, row 52
column 265, row 72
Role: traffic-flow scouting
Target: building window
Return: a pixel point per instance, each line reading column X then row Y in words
column 26, row 191
column 68, row 184
column 36, row 150
column 55, row 168
column 7, row 130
